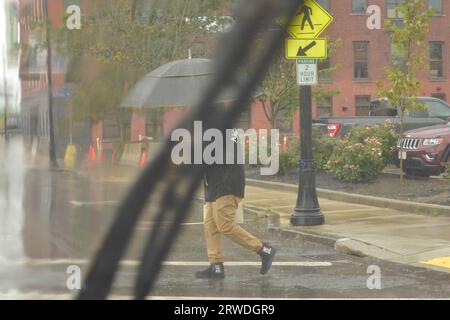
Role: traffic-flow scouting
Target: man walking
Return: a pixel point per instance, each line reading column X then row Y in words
column 224, row 188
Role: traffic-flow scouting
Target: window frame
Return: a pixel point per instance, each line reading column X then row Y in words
column 359, row 12
column 397, row 15
column 442, row 68
column 438, row 14
column 320, row 103
column 357, row 107
column 367, row 60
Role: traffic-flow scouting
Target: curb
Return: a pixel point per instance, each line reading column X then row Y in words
column 401, row 205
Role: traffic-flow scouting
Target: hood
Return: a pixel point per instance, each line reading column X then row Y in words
column 430, row 132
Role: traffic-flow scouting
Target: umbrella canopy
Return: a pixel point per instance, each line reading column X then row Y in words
column 177, row 83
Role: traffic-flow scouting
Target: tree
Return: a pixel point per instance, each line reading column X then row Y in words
column 279, row 91
column 408, row 60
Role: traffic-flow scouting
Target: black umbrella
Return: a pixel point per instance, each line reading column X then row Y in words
column 177, row 83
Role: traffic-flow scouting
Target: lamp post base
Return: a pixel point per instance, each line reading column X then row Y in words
column 312, row 217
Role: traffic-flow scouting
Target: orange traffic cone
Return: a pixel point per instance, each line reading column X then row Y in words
column 143, row 159
column 92, row 155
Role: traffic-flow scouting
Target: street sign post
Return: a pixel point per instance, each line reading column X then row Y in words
column 306, row 49
column 307, row 72
column 311, row 20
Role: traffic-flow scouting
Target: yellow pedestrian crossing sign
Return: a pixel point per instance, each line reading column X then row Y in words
column 306, row 48
column 310, row 21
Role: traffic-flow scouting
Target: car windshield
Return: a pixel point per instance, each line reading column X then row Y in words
column 166, row 149
column 438, row 109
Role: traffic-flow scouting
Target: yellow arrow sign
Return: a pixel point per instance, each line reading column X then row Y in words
column 311, row 20
column 306, row 49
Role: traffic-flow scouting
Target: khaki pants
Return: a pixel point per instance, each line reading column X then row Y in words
column 220, row 219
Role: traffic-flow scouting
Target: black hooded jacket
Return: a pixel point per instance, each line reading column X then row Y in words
column 225, row 179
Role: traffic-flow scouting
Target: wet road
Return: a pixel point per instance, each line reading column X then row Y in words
column 52, row 222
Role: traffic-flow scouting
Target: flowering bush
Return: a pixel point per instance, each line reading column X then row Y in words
column 354, row 161
column 323, row 147
column 383, row 133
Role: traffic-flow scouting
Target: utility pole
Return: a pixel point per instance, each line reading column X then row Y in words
column 5, row 94
column 52, row 151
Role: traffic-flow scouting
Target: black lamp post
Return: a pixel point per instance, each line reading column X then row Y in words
column 307, row 211
column 52, row 151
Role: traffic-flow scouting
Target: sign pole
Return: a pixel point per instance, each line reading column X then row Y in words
column 307, row 211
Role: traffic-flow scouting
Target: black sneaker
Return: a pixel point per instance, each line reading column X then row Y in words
column 214, row 271
column 267, row 254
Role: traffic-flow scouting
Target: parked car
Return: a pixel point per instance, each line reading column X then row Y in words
column 426, row 151
column 437, row 112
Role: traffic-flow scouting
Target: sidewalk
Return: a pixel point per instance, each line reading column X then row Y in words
column 363, row 230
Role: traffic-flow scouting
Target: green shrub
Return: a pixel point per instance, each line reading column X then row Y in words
column 323, row 149
column 288, row 160
column 355, row 161
column 384, row 133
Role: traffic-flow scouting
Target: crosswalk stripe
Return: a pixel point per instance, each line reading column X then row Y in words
column 133, row 263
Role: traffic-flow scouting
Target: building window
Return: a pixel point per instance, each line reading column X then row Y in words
column 437, row 7
column 361, row 61
column 324, row 4
column 392, row 11
column 362, row 105
column 436, row 60
column 324, row 69
column 244, row 121
column 440, row 96
column 359, row 6
column 325, row 106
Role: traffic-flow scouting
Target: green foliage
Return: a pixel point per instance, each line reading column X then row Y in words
column 289, row 158
column 279, row 91
column 323, row 147
column 353, row 161
column 384, row 133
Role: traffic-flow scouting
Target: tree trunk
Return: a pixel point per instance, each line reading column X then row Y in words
column 402, row 129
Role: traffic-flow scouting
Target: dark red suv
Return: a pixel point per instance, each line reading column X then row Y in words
column 426, row 150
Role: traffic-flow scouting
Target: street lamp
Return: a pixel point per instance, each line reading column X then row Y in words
column 5, row 94
column 307, row 211
column 52, row 152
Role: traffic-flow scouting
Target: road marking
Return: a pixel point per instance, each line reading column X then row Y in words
column 251, row 263
column 145, row 224
column 93, row 203
column 354, row 210
column 133, row 263
column 443, row 262
column 35, row 295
